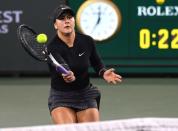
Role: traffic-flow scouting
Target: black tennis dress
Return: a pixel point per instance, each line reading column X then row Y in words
column 79, row 94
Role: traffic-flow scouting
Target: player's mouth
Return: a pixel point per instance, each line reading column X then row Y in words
column 67, row 27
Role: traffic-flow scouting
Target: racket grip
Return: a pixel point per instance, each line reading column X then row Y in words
column 61, row 70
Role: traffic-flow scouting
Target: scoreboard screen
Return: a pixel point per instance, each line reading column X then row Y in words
column 147, row 40
column 154, row 29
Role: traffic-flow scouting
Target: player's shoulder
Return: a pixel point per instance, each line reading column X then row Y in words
column 52, row 42
column 84, row 37
column 85, row 40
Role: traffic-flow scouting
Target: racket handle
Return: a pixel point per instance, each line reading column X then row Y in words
column 59, row 67
column 62, row 70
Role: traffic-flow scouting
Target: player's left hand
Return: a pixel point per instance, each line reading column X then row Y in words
column 112, row 77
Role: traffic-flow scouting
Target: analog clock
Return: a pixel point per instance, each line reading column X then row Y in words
column 100, row 19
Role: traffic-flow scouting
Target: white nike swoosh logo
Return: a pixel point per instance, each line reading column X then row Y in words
column 80, row 54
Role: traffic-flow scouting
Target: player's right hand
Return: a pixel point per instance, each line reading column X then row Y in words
column 69, row 77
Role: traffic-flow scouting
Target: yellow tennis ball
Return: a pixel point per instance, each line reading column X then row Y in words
column 42, row 38
column 160, row 2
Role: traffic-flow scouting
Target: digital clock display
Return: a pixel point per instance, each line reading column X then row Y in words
column 163, row 39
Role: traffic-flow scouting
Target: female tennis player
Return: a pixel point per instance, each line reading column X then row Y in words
column 73, row 99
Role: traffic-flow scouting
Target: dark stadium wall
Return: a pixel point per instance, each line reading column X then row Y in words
column 123, row 51
column 14, row 60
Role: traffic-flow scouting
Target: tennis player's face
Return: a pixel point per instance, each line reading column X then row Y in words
column 65, row 23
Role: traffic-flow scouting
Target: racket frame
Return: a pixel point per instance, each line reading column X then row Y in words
column 44, row 52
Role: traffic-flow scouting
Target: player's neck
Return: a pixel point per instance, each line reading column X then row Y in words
column 67, row 38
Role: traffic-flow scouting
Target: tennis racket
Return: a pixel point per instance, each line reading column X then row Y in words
column 27, row 37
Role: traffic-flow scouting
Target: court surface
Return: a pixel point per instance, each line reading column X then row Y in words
column 23, row 101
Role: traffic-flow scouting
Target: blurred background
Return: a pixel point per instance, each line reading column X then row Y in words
column 143, row 48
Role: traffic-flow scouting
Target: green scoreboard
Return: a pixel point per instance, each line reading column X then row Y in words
column 133, row 36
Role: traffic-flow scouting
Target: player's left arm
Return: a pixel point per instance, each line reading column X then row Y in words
column 108, row 74
column 111, row 77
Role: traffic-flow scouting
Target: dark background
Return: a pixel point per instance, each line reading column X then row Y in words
column 14, row 60
column 121, row 51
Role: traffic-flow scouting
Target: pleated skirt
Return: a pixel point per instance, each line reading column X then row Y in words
column 78, row 100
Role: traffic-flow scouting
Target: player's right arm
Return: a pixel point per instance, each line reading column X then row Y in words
column 69, row 77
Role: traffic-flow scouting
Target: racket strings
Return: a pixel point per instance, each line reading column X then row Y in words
column 38, row 50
